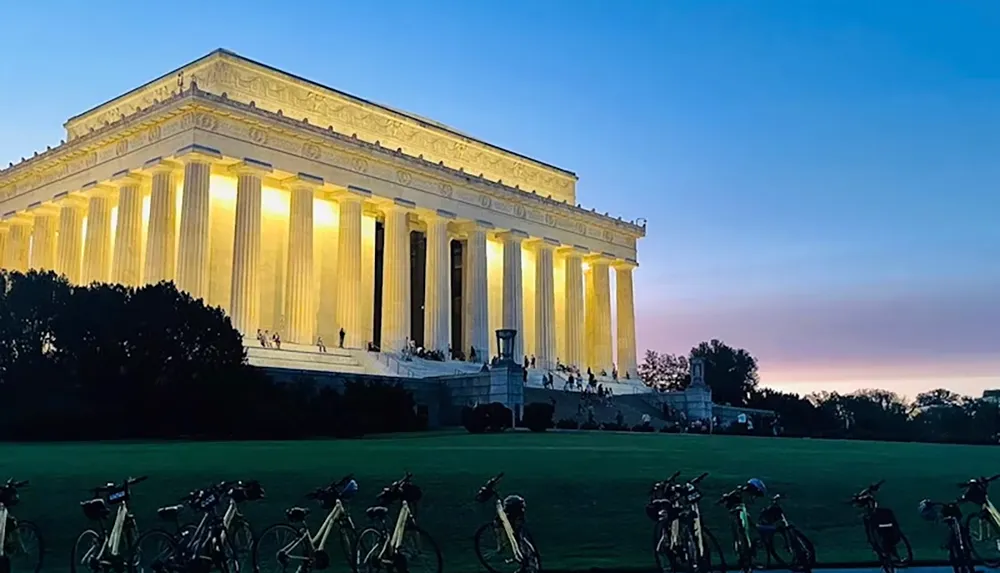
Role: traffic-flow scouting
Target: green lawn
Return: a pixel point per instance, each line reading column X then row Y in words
column 585, row 491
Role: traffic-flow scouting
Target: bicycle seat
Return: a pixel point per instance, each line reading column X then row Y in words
column 296, row 514
column 95, row 508
column 377, row 512
column 169, row 513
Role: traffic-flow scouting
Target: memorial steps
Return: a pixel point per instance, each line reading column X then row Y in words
column 302, row 357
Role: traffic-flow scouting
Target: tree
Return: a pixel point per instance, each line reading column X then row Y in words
column 730, row 372
column 665, row 371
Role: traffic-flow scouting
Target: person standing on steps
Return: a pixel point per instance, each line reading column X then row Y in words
column 342, row 335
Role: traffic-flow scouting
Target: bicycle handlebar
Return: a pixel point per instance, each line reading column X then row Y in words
column 14, row 484
column 983, row 481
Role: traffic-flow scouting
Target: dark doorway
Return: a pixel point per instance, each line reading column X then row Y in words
column 457, row 310
column 379, row 257
column 418, row 285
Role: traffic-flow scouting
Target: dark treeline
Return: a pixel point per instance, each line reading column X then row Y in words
column 109, row 362
column 936, row 416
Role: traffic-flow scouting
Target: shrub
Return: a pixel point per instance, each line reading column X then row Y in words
column 590, row 425
column 487, row 418
column 538, row 416
column 614, row 427
column 671, row 428
column 645, row 427
column 567, row 424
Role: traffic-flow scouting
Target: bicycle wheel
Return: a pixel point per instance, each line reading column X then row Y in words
column 711, row 545
column 958, row 556
column 366, row 550
column 240, row 536
column 661, row 547
column 281, row 547
column 531, row 559
column 25, row 548
column 152, row 550
column 744, row 551
column 418, row 552
column 83, row 556
column 984, row 537
column 800, row 550
column 348, row 538
column 902, row 553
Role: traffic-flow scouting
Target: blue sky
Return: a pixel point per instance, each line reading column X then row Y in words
column 820, row 178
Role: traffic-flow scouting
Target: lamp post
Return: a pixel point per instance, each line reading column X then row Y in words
column 505, row 345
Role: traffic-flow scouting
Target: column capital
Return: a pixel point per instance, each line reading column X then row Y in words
column 39, row 209
column 400, row 203
column 599, row 258
column 195, row 153
column 352, row 193
column 251, row 166
column 18, row 217
column 441, row 213
column 303, row 181
column 625, row 264
column 158, row 165
column 125, row 178
column 476, row 225
column 513, row 235
column 548, row 243
column 573, row 250
column 66, row 199
column 95, row 189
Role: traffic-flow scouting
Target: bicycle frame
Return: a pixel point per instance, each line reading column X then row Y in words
column 3, row 527
column 114, row 538
column 509, row 530
column 318, row 542
column 395, row 541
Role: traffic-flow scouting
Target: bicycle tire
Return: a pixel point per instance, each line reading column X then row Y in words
column 744, row 554
column 363, row 554
column 957, row 558
column 167, row 538
column 710, row 544
column 348, row 537
column 238, row 534
column 658, row 531
column 256, row 559
column 992, row 563
column 19, row 531
column 76, row 559
column 805, row 555
column 530, row 554
column 427, row 541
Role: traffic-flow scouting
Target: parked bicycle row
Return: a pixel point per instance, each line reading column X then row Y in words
column 683, row 543
column 206, row 531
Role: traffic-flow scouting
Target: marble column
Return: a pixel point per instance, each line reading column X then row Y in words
column 625, row 303
column 97, row 243
column 162, row 233
column 545, row 305
column 599, row 315
column 69, row 249
column 396, row 276
column 43, row 238
column 125, row 269
column 192, row 244
column 437, row 297
column 18, row 243
column 349, row 299
column 574, row 308
column 244, row 305
column 300, row 306
column 4, row 232
column 479, row 300
column 513, row 289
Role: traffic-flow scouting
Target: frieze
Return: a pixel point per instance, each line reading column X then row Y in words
column 246, row 82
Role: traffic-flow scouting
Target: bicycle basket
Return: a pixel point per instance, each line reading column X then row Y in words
column 884, row 522
column 514, row 506
column 95, row 509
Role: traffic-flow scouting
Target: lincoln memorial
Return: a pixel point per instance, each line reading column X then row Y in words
column 302, row 210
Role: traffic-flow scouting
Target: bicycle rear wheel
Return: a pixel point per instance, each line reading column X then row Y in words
column 25, row 548
column 366, row 550
column 152, row 551
column 711, row 546
column 420, row 552
column 281, row 547
column 984, row 538
column 83, row 556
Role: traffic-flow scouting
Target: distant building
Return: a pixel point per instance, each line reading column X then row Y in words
column 991, row 396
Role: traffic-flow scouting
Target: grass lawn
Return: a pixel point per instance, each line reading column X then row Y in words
column 585, row 491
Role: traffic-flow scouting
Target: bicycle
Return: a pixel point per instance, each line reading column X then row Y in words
column 209, row 544
column 773, row 523
column 379, row 548
column 679, row 536
column 512, row 542
column 958, row 545
column 16, row 535
column 312, row 548
column 882, row 530
column 984, row 524
column 100, row 550
column 743, row 543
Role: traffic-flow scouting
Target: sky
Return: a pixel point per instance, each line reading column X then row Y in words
column 819, row 178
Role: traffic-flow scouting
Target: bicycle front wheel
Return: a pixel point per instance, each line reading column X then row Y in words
column 711, row 545
column 83, row 556
column 419, row 552
column 792, row 549
column 369, row 545
column 25, row 548
column 281, row 547
column 152, row 550
column 984, row 537
column 531, row 559
column 240, row 537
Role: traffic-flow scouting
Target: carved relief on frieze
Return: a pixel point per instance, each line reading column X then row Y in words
column 121, row 148
column 258, row 135
column 360, row 165
column 403, row 177
column 311, row 150
column 445, row 189
column 154, row 134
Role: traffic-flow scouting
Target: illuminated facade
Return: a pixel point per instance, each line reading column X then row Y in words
column 303, row 210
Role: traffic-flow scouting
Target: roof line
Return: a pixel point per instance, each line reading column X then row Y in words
column 412, row 117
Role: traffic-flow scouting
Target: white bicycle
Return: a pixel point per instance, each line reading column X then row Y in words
column 21, row 546
column 101, row 550
column 503, row 544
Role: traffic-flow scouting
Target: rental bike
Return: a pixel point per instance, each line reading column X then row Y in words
column 406, row 546
column 209, row 545
column 101, row 550
column 983, row 526
column 505, row 538
column 882, row 531
column 294, row 548
column 743, row 543
column 21, row 545
column 681, row 542
column 958, row 544
column 797, row 552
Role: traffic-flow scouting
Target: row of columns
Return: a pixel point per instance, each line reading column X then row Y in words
column 92, row 260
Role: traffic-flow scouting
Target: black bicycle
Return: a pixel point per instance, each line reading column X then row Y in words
column 211, row 544
column 785, row 542
column 882, row 531
column 983, row 525
column 504, row 543
column 958, row 544
column 21, row 545
column 681, row 541
column 108, row 548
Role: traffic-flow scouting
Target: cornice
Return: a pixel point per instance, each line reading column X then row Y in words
column 240, row 79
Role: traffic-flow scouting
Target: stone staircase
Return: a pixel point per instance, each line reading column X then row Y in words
column 302, row 357
column 567, row 404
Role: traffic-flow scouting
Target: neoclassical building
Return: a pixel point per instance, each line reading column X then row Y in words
column 302, row 210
